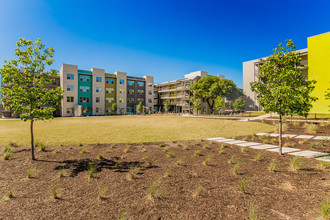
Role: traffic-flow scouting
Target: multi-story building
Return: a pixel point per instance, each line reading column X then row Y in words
column 316, row 57
column 94, row 92
column 178, row 93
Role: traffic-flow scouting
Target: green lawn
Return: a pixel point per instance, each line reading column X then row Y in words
column 125, row 129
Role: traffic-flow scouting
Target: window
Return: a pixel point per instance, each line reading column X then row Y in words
column 97, row 99
column 130, row 91
column 69, row 76
column 140, row 83
column 84, row 99
column 140, row 100
column 97, row 110
column 85, row 110
column 121, row 81
column 121, row 91
column 150, row 84
column 109, row 100
column 69, row 88
column 149, row 92
column 69, row 99
column 98, row 79
column 69, row 111
column 130, row 100
column 109, row 90
column 98, row 89
column 109, row 81
column 108, row 109
column 84, row 78
column 140, row 92
column 131, row 83
column 121, row 100
column 149, row 101
column 84, row 88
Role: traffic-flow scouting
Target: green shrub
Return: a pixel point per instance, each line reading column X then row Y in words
column 133, row 171
column 325, row 208
column 252, row 212
column 8, row 149
column 245, row 138
column 100, row 156
column 58, row 150
column 10, row 194
column 273, row 140
column 197, row 191
column 81, row 144
column 273, row 165
column 144, row 150
column 221, row 151
column 243, row 149
column 207, row 160
column 235, row 168
column 101, row 193
column 84, row 150
column 161, row 145
column 165, row 149
column 197, row 152
column 295, row 163
column 12, row 144
column 127, row 148
column 31, row 173
column 254, row 138
column 206, row 146
column 242, row 186
column 62, row 171
column 153, row 190
column 265, row 141
column 54, row 193
column 258, row 156
column 179, row 162
column 41, row 146
column 185, row 148
column 170, row 154
column 7, row 155
column 311, row 128
column 325, row 164
column 91, row 170
column 232, row 159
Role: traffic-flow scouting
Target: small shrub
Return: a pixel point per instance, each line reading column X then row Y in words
column 197, row 191
column 91, row 170
column 288, row 138
column 10, row 194
column 245, row 139
column 243, row 149
column 273, row 140
column 8, row 149
column 273, row 165
column 314, row 145
column 223, row 145
column 144, row 150
column 58, row 150
column 206, row 146
column 302, row 141
column 325, row 164
column 41, row 146
column 168, row 173
column 165, row 149
column 150, row 162
column 207, row 160
column 252, row 212
column 62, row 171
column 107, row 150
column 323, row 123
column 221, row 151
column 185, row 148
column 81, row 144
column 100, row 156
column 296, row 123
column 12, row 144
column 180, row 162
column 254, row 138
column 263, row 120
column 242, row 186
column 311, row 128
column 325, row 208
column 170, row 154
column 153, row 190
column 31, row 173
column 232, row 159
column 127, row 148
column 202, row 140
column 235, row 168
column 287, row 144
column 132, row 172
column 197, row 152
column 161, row 145
column 101, row 193
column 295, row 163
column 265, row 141
column 54, row 193
column 84, row 150
column 284, row 127
column 258, row 156
column 7, row 155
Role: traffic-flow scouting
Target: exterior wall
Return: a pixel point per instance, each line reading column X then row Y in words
column 85, row 94
column 121, row 105
column 134, row 98
column 110, row 95
column 98, row 95
column 319, row 70
column 149, row 92
column 249, row 69
column 69, row 69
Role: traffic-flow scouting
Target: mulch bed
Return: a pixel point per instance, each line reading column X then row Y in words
column 297, row 129
column 275, row 195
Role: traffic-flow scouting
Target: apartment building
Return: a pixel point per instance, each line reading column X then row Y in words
column 94, row 92
column 316, row 57
column 178, row 93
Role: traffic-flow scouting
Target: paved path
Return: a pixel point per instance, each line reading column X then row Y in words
column 295, row 136
column 273, row 148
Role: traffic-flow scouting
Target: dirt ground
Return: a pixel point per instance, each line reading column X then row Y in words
column 297, row 129
column 185, row 188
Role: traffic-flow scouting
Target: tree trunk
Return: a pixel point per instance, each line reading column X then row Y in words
column 32, row 140
column 280, row 136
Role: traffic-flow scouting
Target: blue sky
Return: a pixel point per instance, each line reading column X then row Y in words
column 163, row 38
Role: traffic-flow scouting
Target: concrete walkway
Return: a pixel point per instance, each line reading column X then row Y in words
column 273, row 148
column 295, row 136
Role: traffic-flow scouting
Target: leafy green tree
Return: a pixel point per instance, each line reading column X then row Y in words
column 210, row 88
column 167, row 105
column 281, row 86
column 27, row 94
column 114, row 108
column 219, row 103
column 139, row 107
column 239, row 104
column 196, row 104
column 327, row 95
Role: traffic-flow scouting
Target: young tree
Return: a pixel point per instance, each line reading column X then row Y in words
column 219, row 103
column 196, row 104
column 139, row 107
column 114, row 108
column 167, row 105
column 27, row 94
column 239, row 104
column 281, row 86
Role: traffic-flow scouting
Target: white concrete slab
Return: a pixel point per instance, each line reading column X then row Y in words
column 322, row 138
column 289, row 135
column 308, row 154
column 235, row 142
column 248, row 144
column 262, row 134
column 216, row 138
column 223, row 140
column 284, row 150
column 304, row 136
column 326, row 158
column 264, row 146
column 274, row 135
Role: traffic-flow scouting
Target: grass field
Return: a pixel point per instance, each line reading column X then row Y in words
column 125, row 129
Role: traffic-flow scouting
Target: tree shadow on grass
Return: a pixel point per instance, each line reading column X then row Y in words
column 78, row 166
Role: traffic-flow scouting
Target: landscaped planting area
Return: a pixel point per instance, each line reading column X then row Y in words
column 167, row 180
column 124, row 129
